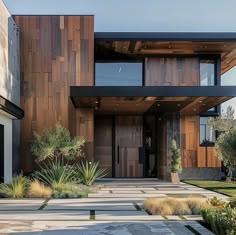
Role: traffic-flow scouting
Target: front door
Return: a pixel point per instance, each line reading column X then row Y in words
column 129, row 146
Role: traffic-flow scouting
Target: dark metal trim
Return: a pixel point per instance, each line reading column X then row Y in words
column 73, row 102
column 10, row 108
column 168, row 36
column 140, row 91
column 113, row 147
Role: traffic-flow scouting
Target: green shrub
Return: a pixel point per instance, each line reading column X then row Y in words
column 176, row 165
column 67, row 191
column 88, row 172
column 56, row 143
column 16, row 188
column 220, row 216
column 52, row 172
column 233, row 202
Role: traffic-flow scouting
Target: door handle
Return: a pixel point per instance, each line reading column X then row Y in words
column 118, row 154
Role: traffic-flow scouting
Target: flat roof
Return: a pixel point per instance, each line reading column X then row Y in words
column 167, row 36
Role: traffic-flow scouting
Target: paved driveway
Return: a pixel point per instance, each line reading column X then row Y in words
column 117, row 208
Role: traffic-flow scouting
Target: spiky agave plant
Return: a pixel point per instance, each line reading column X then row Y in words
column 88, row 172
column 55, row 171
column 16, row 188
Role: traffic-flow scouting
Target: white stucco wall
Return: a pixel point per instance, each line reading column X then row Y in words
column 9, row 57
column 6, row 121
column 10, row 86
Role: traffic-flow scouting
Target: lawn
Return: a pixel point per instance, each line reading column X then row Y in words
column 228, row 188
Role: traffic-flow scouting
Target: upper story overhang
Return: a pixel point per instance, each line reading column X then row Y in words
column 191, row 100
column 139, row 44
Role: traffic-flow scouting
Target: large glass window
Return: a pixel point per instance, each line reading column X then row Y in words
column 118, row 74
column 207, row 134
column 207, row 72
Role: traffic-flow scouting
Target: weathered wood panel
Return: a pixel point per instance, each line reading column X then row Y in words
column 129, row 137
column 56, row 53
column 194, row 155
column 169, row 71
column 103, row 143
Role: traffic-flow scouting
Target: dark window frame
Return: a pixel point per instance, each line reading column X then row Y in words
column 217, row 63
column 206, row 144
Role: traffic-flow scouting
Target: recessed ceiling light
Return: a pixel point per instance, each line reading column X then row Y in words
column 200, row 101
column 158, row 105
column 178, row 105
column 96, row 102
column 194, row 109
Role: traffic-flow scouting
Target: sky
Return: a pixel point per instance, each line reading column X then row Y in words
column 140, row 15
column 143, row 15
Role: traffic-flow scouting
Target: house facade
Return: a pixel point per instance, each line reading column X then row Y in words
column 128, row 94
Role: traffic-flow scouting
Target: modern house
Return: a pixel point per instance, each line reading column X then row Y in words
column 128, row 94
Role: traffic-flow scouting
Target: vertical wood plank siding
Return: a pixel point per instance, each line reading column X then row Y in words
column 56, row 52
column 194, row 155
column 176, row 71
column 172, row 71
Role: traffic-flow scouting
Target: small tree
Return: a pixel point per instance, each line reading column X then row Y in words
column 223, row 123
column 56, row 143
column 225, row 150
column 176, row 166
column 224, row 145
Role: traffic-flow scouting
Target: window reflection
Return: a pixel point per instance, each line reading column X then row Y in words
column 207, row 72
column 207, row 134
column 118, row 74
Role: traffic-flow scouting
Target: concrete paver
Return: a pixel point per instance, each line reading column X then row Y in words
column 108, row 228
column 118, row 207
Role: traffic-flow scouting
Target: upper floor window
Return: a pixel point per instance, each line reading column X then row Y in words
column 207, row 134
column 119, row 74
column 207, row 72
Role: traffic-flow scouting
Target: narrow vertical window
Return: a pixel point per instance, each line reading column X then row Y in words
column 207, row 72
column 207, row 134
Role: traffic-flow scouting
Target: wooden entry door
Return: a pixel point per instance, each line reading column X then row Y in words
column 129, row 146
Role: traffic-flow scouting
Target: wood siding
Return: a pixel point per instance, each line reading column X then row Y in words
column 129, row 138
column 103, row 143
column 194, row 155
column 171, row 71
column 56, row 52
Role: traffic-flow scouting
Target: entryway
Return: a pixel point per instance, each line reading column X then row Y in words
column 118, row 142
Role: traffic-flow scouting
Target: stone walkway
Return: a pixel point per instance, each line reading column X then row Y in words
column 117, row 208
